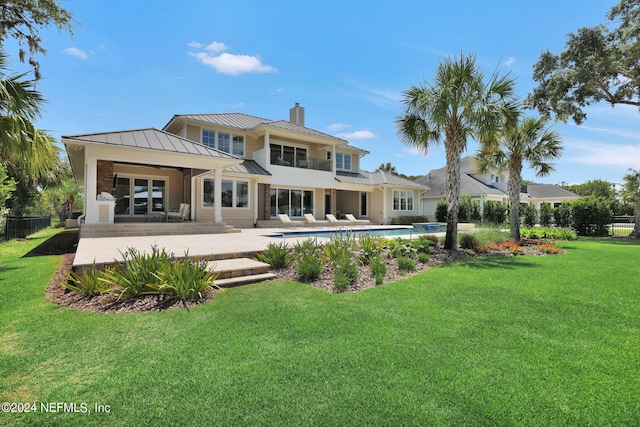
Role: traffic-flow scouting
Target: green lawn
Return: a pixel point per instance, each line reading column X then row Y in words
column 549, row 340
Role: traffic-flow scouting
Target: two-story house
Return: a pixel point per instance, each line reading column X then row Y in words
column 232, row 168
column 486, row 186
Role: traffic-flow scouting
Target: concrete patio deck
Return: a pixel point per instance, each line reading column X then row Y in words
column 103, row 250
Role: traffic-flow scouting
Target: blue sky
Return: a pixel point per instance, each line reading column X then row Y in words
column 134, row 64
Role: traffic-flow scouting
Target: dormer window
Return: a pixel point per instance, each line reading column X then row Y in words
column 343, row 161
column 223, row 141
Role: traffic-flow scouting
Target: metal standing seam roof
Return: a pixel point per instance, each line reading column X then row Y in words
column 375, row 178
column 436, row 181
column 546, row 191
column 248, row 123
column 152, row 139
column 248, row 167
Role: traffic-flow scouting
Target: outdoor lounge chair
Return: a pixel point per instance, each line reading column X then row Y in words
column 182, row 214
column 287, row 222
column 334, row 221
column 354, row 220
column 311, row 221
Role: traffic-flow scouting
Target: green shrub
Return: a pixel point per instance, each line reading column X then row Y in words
column 441, row 211
column 89, row 282
column 490, row 235
column 309, row 268
column 591, row 216
column 135, row 275
column 306, row 247
column 469, row 241
column 529, row 215
column 184, row 279
column 468, row 209
column 370, row 247
column 401, row 248
column 422, row 245
column 563, row 215
column 495, row 212
column 340, row 247
column 424, row 257
column 546, row 214
column 548, row 233
column 378, row 269
column 406, row 264
column 432, row 238
column 345, row 273
column 276, row 255
column 408, row 219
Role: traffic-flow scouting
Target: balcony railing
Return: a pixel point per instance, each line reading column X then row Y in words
column 307, row 163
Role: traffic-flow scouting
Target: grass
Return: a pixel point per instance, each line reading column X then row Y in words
column 549, row 340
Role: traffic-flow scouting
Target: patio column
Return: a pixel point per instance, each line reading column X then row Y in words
column 267, row 152
column 334, row 201
column 384, row 204
column 90, row 188
column 217, row 200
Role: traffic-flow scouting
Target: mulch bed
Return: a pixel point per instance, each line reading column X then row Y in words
column 65, row 246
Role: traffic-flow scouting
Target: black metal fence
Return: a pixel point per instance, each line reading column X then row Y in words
column 21, row 227
column 621, row 225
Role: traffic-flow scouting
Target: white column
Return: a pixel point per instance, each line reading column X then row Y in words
column 90, row 189
column 384, row 204
column 267, row 152
column 217, row 188
column 255, row 201
column 333, row 158
column 195, row 209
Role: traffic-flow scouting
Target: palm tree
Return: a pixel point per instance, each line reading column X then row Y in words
column 20, row 141
column 528, row 140
column 387, row 167
column 458, row 105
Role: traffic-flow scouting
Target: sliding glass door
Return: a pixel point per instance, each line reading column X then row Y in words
column 294, row 203
column 138, row 196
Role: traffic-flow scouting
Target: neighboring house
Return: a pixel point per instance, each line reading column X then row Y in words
column 232, row 168
column 536, row 194
column 480, row 187
column 485, row 187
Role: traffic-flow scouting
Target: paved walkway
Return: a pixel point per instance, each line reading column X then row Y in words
column 105, row 249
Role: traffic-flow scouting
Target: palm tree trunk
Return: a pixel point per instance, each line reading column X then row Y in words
column 452, row 193
column 515, row 180
column 636, row 228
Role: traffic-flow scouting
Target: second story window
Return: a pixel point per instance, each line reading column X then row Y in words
column 223, row 141
column 343, row 161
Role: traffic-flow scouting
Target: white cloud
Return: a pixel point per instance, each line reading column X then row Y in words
column 74, row 51
column 216, row 47
column 337, row 127
column 410, row 152
column 595, row 153
column 359, row 134
column 227, row 63
column 509, row 62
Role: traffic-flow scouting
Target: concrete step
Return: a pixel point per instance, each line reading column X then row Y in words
column 153, row 229
column 238, row 271
column 244, row 280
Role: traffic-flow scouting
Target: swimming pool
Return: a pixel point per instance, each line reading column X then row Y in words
column 389, row 231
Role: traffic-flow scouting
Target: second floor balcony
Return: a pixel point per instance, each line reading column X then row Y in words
column 303, row 163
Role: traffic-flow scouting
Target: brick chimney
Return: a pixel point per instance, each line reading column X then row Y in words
column 296, row 115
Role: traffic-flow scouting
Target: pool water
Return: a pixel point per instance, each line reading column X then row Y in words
column 399, row 231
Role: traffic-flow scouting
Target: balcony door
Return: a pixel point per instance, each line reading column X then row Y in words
column 138, row 196
column 294, row 203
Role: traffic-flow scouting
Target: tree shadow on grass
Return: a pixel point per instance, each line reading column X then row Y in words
column 495, row 262
column 62, row 243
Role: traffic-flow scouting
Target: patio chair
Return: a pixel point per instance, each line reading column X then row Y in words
column 182, row 214
column 287, row 222
column 334, row 221
column 311, row 221
column 355, row 220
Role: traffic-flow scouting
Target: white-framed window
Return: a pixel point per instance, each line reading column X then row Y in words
column 223, row 141
column 235, row 193
column 402, row 200
column 343, row 161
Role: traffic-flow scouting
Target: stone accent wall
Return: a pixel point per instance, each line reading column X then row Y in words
column 334, row 201
column 105, row 176
column 267, row 201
